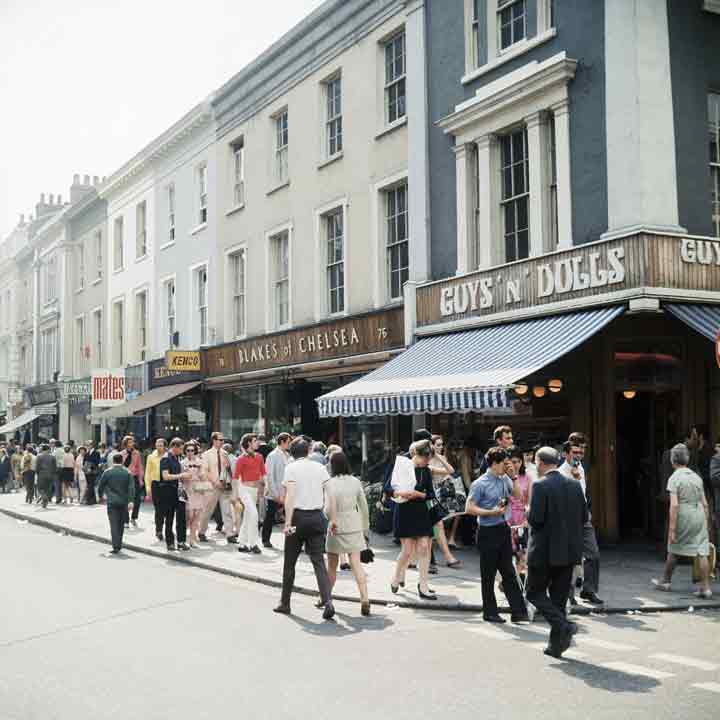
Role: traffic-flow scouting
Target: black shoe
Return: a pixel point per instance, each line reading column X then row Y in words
column 430, row 595
column 592, row 598
column 365, row 609
column 159, row 536
column 202, row 537
column 171, row 548
column 268, row 545
column 433, row 570
column 114, row 551
column 412, row 566
column 572, row 628
column 282, row 609
column 255, row 550
column 183, row 546
column 232, row 539
column 320, row 604
column 345, row 566
column 244, row 549
column 573, row 599
column 495, row 619
column 329, row 612
column 519, row 619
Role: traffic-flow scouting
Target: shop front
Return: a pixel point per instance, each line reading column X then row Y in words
column 44, row 423
column 75, row 402
column 612, row 339
column 270, row 384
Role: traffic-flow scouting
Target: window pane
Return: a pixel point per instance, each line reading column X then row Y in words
column 522, row 245
column 509, row 218
column 522, row 213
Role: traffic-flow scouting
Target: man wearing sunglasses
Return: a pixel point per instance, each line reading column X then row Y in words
column 215, row 467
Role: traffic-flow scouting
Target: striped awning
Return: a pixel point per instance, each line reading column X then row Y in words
column 467, row 371
column 705, row 319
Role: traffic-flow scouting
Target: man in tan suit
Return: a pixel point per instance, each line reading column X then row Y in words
column 215, row 467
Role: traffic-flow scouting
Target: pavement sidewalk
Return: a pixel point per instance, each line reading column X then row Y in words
column 625, row 575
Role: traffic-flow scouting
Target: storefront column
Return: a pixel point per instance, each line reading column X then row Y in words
column 562, row 170
column 466, row 182
column 487, row 217
column 537, row 130
column 64, row 421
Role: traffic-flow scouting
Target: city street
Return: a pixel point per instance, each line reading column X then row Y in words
column 84, row 635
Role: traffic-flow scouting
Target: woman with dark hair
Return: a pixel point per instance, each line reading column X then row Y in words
column 132, row 460
column 197, row 490
column 347, row 504
column 519, row 507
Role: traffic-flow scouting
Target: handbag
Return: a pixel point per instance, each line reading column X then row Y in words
column 367, row 555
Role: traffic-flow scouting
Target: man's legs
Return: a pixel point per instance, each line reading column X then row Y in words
column 270, row 511
column 513, row 593
column 315, row 547
column 57, row 487
column 293, row 547
column 139, row 496
column 591, row 564
column 488, row 547
column 155, row 492
column 168, row 501
column 536, row 589
column 181, row 522
column 213, row 498
column 116, row 519
column 227, row 519
column 248, row 535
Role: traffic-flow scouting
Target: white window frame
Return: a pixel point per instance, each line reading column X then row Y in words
column 117, row 332
column 49, row 351
column 237, row 167
column 714, row 131
column 141, row 234
column 80, row 342
column 98, row 245
column 394, row 81
column 505, row 7
column 237, row 321
column 81, row 266
column 118, row 243
column 98, row 333
column 142, row 323
column 271, row 316
column 397, row 243
column 170, row 200
column 281, row 147
column 169, row 303
column 49, row 277
column 200, row 306
column 333, row 116
column 517, row 197
column 202, row 194
column 322, row 298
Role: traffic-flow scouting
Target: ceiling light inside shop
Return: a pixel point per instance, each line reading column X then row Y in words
column 539, row 391
column 521, row 388
column 555, row 386
column 629, row 394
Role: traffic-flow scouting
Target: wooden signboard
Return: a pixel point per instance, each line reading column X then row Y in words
column 359, row 335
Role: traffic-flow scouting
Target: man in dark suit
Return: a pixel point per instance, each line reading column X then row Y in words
column 557, row 514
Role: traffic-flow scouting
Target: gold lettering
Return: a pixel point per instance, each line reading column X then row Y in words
column 343, row 337
column 354, row 339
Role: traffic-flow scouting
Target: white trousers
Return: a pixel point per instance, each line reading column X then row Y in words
column 249, row 534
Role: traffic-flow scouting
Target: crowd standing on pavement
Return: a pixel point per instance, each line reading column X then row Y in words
column 531, row 507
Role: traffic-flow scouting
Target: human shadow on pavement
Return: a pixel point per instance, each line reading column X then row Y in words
column 332, row 628
column 604, row 678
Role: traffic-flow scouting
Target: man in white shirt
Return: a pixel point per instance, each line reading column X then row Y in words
column 275, row 465
column 305, row 524
column 574, row 450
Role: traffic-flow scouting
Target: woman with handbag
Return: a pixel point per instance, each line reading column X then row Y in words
column 346, row 502
column 197, row 490
column 442, row 472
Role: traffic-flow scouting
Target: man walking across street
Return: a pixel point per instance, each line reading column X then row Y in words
column 152, row 481
column 118, row 487
column 275, row 465
column 215, row 467
column 574, row 450
column 489, row 499
column 248, row 485
column 171, row 473
column 56, row 450
column 305, row 524
column 557, row 516
column 46, row 470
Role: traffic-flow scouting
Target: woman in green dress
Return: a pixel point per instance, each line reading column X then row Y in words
column 688, row 529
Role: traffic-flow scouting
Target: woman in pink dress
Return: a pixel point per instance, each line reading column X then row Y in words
column 519, row 509
column 195, row 490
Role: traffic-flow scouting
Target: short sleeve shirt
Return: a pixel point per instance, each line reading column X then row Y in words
column 171, row 464
column 310, row 479
column 486, row 492
column 250, row 468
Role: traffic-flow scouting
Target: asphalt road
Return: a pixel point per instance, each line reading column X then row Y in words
column 86, row 636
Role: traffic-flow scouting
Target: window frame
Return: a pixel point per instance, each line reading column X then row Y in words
column 170, row 200
column 334, row 292
column 141, row 234
column 48, row 349
column 81, row 266
column 117, row 326
column 97, row 314
column 394, row 82
column 237, row 154
column 333, row 116
column 119, row 243
column 397, row 244
column 515, row 200
column 201, row 310
column 281, row 147
column 169, row 310
column 99, row 255
column 202, row 193
column 80, row 338
column 142, row 323
column 237, row 258
column 271, row 316
column 503, row 7
column 714, row 132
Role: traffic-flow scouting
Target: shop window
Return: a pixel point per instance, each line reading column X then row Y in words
column 242, row 410
column 395, row 78
column 397, row 240
column 714, row 128
column 515, row 194
column 335, row 239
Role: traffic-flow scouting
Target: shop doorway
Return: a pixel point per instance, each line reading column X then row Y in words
column 647, row 426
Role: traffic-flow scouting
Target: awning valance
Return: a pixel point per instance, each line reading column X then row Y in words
column 705, row 319
column 467, row 371
column 16, row 423
column 147, row 400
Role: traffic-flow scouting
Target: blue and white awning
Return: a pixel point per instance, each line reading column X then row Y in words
column 467, row 371
column 705, row 319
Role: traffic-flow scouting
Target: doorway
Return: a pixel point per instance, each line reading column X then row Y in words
column 647, row 426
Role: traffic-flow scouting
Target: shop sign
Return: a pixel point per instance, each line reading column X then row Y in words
column 108, row 387
column 183, row 361
column 370, row 333
column 76, row 390
column 43, row 395
column 670, row 263
column 161, row 374
column 134, row 380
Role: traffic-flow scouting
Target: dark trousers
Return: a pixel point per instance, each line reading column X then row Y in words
column 57, row 487
column 155, row 490
column 90, row 495
column 271, row 508
column 310, row 531
column 548, row 588
column 171, row 510
column 116, row 516
column 591, row 563
column 137, row 501
column 217, row 517
column 29, row 482
column 495, row 545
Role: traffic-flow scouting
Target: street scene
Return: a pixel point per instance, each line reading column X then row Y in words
column 346, row 332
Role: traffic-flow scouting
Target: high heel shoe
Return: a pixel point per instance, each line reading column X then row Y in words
column 430, row 596
column 365, row 609
column 394, row 588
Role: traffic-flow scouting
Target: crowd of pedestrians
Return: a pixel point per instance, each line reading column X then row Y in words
column 532, row 509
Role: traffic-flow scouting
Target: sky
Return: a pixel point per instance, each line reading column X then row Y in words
column 84, row 85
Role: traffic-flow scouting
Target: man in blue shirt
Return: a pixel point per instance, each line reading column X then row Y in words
column 488, row 499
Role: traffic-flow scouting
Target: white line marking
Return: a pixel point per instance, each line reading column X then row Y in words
column 492, row 634
column 604, row 644
column 682, row 660
column 711, row 686
column 571, row 653
column 533, row 630
column 631, row 669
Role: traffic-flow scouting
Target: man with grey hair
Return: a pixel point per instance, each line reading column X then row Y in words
column 557, row 515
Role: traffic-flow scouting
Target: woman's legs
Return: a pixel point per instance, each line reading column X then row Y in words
column 670, row 563
column 704, row 567
column 453, row 530
column 332, row 564
column 443, row 543
column 423, row 556
column 359, row 573
column 406, row 552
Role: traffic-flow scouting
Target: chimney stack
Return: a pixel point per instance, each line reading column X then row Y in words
column 59, row 199
column 76, row 179
column 22, row 219
column 96, row 180
column 86, row 180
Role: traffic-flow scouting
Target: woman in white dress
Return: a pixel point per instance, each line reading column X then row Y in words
column 347, row 504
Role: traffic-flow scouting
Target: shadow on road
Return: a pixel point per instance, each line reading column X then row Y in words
column 606, row 679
